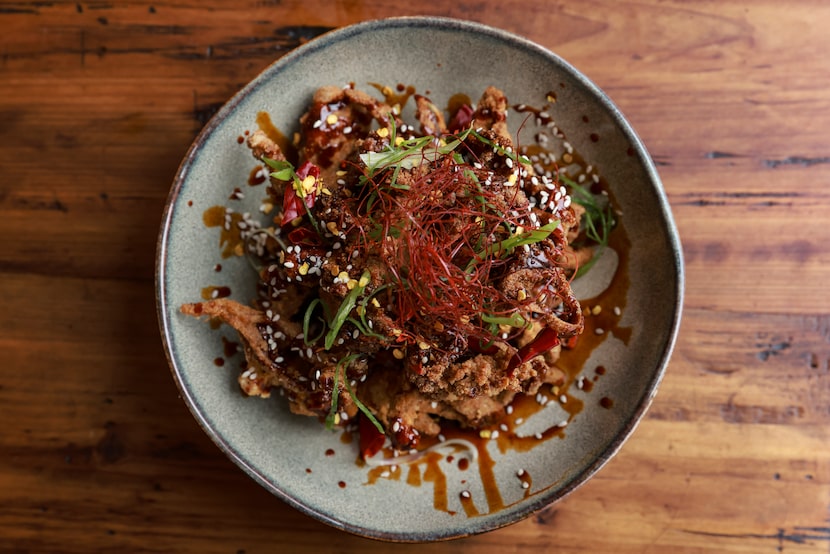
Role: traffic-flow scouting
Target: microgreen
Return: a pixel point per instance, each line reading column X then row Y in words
column 598, row 220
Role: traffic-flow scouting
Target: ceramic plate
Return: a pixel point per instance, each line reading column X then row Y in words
column 295, row 457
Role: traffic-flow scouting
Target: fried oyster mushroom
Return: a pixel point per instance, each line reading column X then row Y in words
column 412, row 274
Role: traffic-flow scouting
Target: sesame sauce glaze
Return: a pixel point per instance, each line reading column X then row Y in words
column 602, row 318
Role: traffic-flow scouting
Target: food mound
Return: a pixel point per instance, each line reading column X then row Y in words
column 414, row 274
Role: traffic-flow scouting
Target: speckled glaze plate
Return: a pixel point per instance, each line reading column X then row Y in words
column 291, row 455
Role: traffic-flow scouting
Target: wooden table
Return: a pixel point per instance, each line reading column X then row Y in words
column 99, row 102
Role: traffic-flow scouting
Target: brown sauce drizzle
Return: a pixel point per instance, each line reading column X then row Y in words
column 212, row 293
column 229, row 347
column 526, row 479
column 257, row 176
column 467, row 503
column 393, row 97
column 263, row 120
column 456, row 101
column 230, row 237
column 435, row 475
column 413, row 477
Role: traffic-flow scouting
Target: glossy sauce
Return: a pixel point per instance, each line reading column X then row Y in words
column 263, row 121
column 467, row 503
column 230, row 237
column 229, row 347
column 398, row 97
column 212, row 293
column 526, row 480
column 427, row 468
column 456, row 101
column 257, row 176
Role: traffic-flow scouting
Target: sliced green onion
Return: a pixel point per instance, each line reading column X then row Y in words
column 513, row 320
column 343, row 365
column 598, row 221
column 307, row 322
column 335, row 389
column 362, row 407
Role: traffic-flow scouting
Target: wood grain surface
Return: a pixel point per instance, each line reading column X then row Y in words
column 100, row 100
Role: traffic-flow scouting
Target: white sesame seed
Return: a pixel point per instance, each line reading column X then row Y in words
column 525, row 485
column 509, row 410
column 599, row 331
column 466, row 494
column 563, row 399
column 289, row 265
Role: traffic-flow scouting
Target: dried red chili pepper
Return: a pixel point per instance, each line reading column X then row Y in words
column 462, row 118
column 544, row 341
column 292, row 204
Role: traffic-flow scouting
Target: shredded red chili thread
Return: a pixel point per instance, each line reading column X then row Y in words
column 430, row 231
